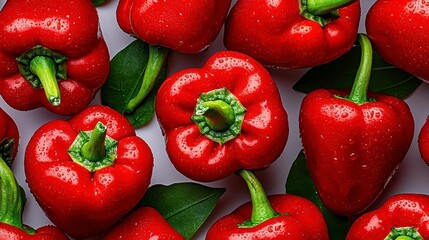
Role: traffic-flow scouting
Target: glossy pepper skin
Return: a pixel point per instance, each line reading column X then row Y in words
column 85, row 176
column 143, row 223
column 182, row 25
column 278, row 33
column 423, row 141
column 276, row 217
column 353, row 143
column 52, row 55
column 11, row 208
column 403, row 216
column 228, row 115
column 9, row 138
column 397, row 29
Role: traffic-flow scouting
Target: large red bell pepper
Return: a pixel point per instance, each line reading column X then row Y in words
column 277, row 217
column 51, row 48
column 353, row 143
column 88, row 172
column 397, row 29
column 188, row 26
column 11, row 208
column 9, row 138
column 401, row 217
column 228, row 115
column 293, row 33
column 143, row 223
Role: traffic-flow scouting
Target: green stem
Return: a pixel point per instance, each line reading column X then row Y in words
column 45, row 69
column 157, row 57
column 322, row 7
column 219, row 115
column 95, row 149
column 359, row 90
column 12, row 197
column 261, row 207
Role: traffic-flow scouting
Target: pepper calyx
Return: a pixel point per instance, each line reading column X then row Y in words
column 404, row 233
column 42, row 68
column 94, row 150
column 219, row 115
column 322, row 12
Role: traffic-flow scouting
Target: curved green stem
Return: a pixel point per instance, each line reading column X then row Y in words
column 12, row 197
column 45, row 69
column 95, row 149
column 322, row 7
column 157, row 57
column 219, row 115
column 359, row 90
column 261, row 206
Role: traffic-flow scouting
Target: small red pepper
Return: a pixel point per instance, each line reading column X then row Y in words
column 398, row 31
column 401, row 217
column 52, row 55
column 277, row 217
column 11, row 208
column 294, row 33
column 181, row 25
column 9, row 138
column 88, row 172
column 143, row 223
column 228, row 115
column 354, row 144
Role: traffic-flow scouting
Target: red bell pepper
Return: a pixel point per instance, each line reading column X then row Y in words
column 188, row 26
column 11, row 207
column 402, row 217
column 277, row 217
column 51, row 48
column 353, row 143
column 9, row 138
column 143, row 223
column 423, row 141
column 397, row 29
column 228, row 115
column 88, row 172
column 294, row 33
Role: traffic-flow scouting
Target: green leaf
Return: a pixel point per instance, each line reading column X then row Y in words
column 340, row 74
column 127, row 69
column 299, row 183
column 185, row 206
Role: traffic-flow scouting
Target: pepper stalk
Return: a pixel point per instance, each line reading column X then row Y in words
column 41, row 67
column 157, row 58
column 261, row 206
column 359, row 90
column 219, row 115
column 322, row 11
column 12, row 199
column 94, row 150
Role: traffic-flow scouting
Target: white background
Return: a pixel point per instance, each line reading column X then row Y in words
column 412, row 176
